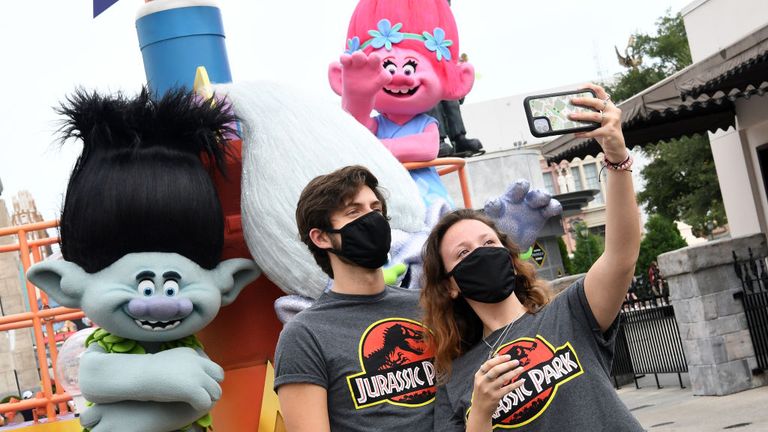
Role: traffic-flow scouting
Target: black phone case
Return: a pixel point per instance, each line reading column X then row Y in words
column 561, row 96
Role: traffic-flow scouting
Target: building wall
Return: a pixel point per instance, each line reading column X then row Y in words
column 715, row 24
column 732, row 175
column 584, row 172
column 25, row 212
column 491, row 175
column 17, row 359
column 712, row 25
column 753, row 122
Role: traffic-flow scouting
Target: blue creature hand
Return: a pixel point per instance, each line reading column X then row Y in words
column 521, row 213
column 139, row 416
column 174, row 375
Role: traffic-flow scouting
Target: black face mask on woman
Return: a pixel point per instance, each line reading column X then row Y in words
column 485, row 275
column 365, row 241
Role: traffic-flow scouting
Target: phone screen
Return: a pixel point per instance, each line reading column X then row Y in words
column 548, row 114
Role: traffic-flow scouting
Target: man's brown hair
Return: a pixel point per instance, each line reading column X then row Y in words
column 324, row 195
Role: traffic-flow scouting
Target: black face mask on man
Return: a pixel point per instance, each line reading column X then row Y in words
column 485, row 275
column 365, row 241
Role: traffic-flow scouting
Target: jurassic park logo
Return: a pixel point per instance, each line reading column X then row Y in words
column 396, row 366
column 545, row 369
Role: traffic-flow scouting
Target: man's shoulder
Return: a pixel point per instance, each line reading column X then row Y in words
column 315, row 312
column 401, row 290
column 403, row 294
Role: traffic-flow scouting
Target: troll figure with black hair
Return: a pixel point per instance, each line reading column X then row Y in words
column 141, row 236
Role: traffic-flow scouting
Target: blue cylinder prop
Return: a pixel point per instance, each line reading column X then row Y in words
column 176, row 37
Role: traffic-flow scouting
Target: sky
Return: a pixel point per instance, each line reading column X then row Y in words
column 50, row 47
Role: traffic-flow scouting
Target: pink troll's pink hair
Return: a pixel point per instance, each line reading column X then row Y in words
column 417, row 17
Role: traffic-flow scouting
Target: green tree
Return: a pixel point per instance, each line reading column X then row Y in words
column 632, row 82
column 663, row 54
column 588, row 248
column 661, row 235
column 670, row 45
column 567, row 265
column 680, row 181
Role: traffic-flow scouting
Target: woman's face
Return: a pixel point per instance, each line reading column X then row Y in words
column 464, row 237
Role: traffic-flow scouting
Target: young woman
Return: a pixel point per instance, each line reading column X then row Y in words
column 524, row 360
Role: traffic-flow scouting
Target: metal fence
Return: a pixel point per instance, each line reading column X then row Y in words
column 753, row 274
column 648, row 339
column 39, row 317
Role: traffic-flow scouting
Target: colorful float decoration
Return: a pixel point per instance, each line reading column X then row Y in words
column 398, row 61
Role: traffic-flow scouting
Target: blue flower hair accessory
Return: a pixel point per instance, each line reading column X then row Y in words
column 387, row 34
column 352, row 45
column 438, row 44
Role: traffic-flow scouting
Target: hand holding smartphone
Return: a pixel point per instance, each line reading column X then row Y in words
column 548, row 113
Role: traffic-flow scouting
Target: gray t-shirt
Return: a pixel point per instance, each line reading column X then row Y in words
column 368, row 353
column 567, row 361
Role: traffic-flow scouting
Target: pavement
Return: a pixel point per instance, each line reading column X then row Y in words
column 674, row 409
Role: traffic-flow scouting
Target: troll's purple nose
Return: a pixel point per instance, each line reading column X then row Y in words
column 159, row 308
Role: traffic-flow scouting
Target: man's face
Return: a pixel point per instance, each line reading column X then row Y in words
column 364, row 202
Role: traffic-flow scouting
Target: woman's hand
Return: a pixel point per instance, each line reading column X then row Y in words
column 495, row 378
column 609, row 134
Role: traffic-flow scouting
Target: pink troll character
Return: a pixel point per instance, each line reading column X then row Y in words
column 401, row 60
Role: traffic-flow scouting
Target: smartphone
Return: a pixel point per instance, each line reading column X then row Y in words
column 548, row 113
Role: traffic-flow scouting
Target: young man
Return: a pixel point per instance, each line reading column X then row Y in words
column 355, row 360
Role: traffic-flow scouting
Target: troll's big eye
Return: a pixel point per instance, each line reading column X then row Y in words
column 146, row 287
column 170, row 288
column 409, row 68
column 390, row 66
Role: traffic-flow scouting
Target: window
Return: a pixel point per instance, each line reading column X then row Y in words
column 548, row 184
column 577, row 178
column 590, row 174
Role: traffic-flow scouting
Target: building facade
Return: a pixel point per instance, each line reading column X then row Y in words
column 25, row 212
column 502, row 126
column 741, row 152
column 578, row 175
column 18, row 363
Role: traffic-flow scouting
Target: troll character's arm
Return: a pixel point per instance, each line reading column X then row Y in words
column 418, row 147
column 142, row 416
column 175, row 375
column 362, row 77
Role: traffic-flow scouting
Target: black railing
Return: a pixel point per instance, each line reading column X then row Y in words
column 753, row 274
column 622, row 361
column 648, row 339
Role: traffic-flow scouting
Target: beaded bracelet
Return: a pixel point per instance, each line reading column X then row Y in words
column 624, row 165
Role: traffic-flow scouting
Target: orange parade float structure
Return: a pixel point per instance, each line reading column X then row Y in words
column 243, row 337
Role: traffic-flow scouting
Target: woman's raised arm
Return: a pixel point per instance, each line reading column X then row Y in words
column 608, row 279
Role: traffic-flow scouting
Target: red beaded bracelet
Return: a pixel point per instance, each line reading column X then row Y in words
column 624, row 165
